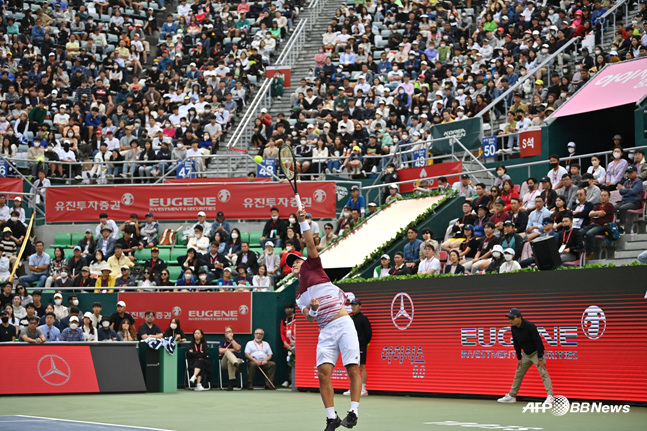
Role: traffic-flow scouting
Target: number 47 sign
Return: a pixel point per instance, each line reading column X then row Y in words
column 530, row 143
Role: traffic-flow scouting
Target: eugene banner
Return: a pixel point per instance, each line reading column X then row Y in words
column 249, row 201
column 210, row 311
column 450, row 335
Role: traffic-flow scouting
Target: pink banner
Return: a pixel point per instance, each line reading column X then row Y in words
column 616, row 85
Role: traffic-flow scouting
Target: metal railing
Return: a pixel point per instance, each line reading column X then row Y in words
column 313, row 11
column 292, row 49
column 547, row 63
column 611, row 14
column 263, row 99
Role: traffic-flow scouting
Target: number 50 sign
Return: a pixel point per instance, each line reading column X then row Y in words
column 530, row 143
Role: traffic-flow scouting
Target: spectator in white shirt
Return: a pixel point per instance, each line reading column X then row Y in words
column 431, row 264
column 510, row 264
column 259, row 355
column 199, row 241
column 556, row 171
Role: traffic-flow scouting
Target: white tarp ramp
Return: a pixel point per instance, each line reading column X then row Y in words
column 354, row 248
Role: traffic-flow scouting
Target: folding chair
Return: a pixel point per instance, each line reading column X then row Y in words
column 240, row 375
column 187, row 378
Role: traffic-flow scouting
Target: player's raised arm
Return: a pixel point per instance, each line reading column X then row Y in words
column 306, row 232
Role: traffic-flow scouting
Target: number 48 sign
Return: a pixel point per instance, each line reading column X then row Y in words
column 530, row 143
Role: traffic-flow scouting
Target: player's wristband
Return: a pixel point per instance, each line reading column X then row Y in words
column 312, row 313
column 304, row 226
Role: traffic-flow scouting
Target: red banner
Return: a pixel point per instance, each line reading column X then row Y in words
column 440, row 169
column 251, row 201
column 530, row 143
column 10, row 186
column 455, row 338
column 46, row 370
column 209, row 311
column 215, row 180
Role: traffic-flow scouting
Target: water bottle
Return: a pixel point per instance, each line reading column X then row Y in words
column 288, row 357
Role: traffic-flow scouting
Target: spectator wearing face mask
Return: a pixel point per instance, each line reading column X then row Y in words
column 105, row 332
column 510, row 264
column 73, row 332
column 59, row 309
column 615, row 170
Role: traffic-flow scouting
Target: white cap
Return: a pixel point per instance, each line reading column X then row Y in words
column 270, row 243
column 498, row 248
column 508, row 251
column 571, row 144
column 202, row 213
column 263, row 111
column 125, row 267
column 58, row 295
column 613, row 53
column 18, row 198
column 74, row 319
column 121, row 304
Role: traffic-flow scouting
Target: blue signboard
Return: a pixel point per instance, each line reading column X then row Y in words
column 419, row 158
column 185, row 169
column 489, row 147
column 4, row 168
column 266, row 168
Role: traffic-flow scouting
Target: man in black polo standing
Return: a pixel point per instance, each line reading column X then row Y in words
column 364, row 333
column 526, row 337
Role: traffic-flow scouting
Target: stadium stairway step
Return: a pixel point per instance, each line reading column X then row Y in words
column 617, row 262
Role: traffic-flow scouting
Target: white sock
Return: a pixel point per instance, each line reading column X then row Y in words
column 354, row 406
column 363, row 386
column 331, row 413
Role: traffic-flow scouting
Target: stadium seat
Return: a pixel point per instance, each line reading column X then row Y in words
column 50, row 251
column 174, row 272
column 244, row 236
column 76, row 237
column 62, row 239
column 180, row 240
column 143, row 254
column 221, row 378
column 177, row 252
column 255, row 237
column 165, row 254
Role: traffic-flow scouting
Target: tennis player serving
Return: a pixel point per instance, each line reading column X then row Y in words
column 323, row 302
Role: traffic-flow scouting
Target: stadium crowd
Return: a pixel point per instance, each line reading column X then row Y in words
column 129, row 89
column 497, row 223
column 387, row 72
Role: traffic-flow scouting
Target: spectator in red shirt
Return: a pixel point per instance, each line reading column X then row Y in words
column 500, row 216
column 288, row 333
column 508, row 193
column 289, row 248
column 600, row 217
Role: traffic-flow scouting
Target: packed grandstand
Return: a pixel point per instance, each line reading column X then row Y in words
column 126, row 93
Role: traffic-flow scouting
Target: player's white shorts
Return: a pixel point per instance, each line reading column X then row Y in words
column 339, row 336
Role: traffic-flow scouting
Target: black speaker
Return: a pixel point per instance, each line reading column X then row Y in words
column 546, row 253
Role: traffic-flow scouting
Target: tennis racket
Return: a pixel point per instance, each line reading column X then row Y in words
column 289, row 167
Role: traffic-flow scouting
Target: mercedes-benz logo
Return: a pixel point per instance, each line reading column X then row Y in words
column 54, row 370
column 402, row 314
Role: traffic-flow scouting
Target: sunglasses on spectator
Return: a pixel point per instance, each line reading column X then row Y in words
column 146, row 272
column 165, row 273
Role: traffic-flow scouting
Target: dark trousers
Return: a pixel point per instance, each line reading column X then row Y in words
column 623, row 207
column 589, row 232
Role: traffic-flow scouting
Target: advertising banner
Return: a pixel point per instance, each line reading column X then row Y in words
column 9, row 186
column 249, row 201
column 450, row 169
column 615, row 85
column 209, row 311
column 56, row 369
column 214, row 180
column 451, row 336
column 70, row 367
column 468, row 131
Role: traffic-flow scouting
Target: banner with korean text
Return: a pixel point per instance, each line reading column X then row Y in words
column 209, row 311
column 9, row 186
column 249, row 201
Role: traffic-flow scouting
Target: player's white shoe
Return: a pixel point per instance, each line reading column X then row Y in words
column 549, row 400
column 507, row 399
column 347, row 393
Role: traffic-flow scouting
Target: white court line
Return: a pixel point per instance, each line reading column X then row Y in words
column 93, row 423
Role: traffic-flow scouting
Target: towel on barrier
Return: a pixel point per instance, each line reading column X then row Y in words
column 155, row 343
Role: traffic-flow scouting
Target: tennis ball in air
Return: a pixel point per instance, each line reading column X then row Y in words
column 258, row 159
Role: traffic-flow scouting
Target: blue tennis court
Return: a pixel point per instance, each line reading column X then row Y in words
column 35, row 423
